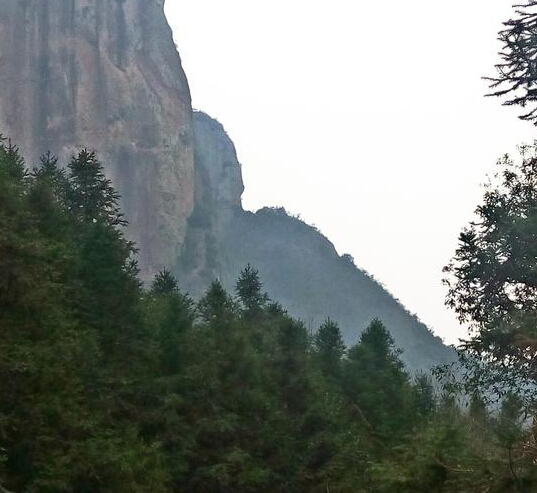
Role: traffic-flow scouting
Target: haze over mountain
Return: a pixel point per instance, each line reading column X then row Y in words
column 375, row 130
column 106, row 75
column 299, row 265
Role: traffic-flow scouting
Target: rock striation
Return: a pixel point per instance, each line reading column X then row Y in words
column 105, row 74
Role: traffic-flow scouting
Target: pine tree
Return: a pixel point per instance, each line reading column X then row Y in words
column 164, row 283
column 217, row 305
column 377, row 384
column 516, row 74
column 425, row 398
column 330, row 348
column 92, row 197
column 48, row 199
column 16, row 227
column 249, row 291
column 170, row 315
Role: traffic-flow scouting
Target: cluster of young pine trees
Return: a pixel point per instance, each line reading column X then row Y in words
column 107, row 387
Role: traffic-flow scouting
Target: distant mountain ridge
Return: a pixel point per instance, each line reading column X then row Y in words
column 299, row 266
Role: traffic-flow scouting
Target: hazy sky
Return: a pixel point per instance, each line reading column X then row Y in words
column 365, row 117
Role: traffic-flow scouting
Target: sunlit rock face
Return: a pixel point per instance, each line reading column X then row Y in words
column 105, row 74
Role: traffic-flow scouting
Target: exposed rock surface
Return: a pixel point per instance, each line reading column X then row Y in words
column 218, row 190
column 298, row 265
column 218, row 171
column 105, row 74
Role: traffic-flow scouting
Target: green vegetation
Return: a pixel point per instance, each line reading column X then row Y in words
column 109, row 387
column 515, row 74
column 493, row 281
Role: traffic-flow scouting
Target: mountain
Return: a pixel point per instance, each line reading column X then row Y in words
column 299, row 266
column 106, row 74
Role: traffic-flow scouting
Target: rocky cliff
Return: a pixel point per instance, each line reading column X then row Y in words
column 217, row 192
column 105, row 74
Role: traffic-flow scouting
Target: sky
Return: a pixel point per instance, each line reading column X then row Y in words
column 366, row 118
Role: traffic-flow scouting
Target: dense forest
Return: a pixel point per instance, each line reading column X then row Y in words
column 110, row 387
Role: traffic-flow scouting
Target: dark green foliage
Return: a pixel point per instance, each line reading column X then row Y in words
column 376, row 384
column 492, row 278
column 71, row 339
column 249, row 290
column 330, row 348
column 425, row 398
column 217, row 305
column 91, row 196
column 164, row 283
column 107, row 388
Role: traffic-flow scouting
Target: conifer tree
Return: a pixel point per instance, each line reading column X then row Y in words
column 216, row 305
column 249, row 290
column 50, row 171
column 15, row 226
column 164, row 283
column 516, row 76
column 377, row 384
column 330, row 348
column 425, row 398
column 171, row 314
column 92, row 197
column 48, row 199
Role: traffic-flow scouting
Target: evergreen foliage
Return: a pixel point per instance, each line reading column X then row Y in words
column 109, row 388
column 330, row 348
column 492, row 279
column 249, row 290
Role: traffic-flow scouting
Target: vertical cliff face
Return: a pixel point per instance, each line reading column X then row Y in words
column 218, row 171
column 105, row 74
column 218, row 191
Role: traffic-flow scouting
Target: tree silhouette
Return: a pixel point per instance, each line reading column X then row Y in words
column 516, row 78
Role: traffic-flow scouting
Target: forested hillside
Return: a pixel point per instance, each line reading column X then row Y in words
column 110, row 388
column 113, row 385
column 313, row 281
